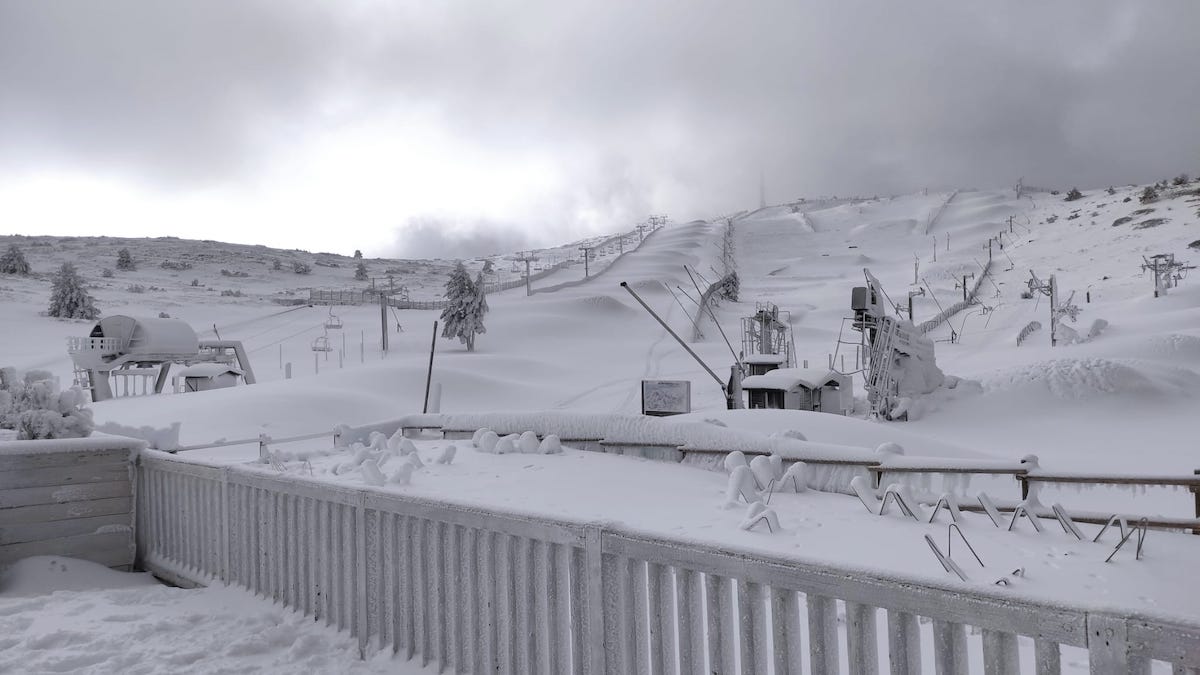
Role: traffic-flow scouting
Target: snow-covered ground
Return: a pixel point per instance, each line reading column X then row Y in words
column 1122, row 402
column 62, row 615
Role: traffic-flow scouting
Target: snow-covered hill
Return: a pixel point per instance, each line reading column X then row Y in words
column 585, row 347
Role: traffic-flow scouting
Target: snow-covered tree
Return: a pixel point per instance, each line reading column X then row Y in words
column 1074, row 194
column 466, row 304
column 68, row 298
column 125, row 260
column 360, row 271
column 1149, row 194
column 13, row 261
column 357, row 254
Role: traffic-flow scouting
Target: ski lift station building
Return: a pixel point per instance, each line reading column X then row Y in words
column 122, row 352
column 206, row 376
column 815, row 389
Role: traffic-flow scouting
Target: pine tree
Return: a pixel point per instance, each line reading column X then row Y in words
column 360, row 272
column 13, row 261
column 466, row 304
column 68, row 298
column 357, row 254
column 125, row 260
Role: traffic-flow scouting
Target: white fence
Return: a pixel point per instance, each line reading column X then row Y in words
column 480, row 591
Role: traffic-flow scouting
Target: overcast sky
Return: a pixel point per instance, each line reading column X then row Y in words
column 458, row 128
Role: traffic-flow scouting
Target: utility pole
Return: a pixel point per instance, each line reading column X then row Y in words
column 1010, row 224
column 916, row 268
column 587, row 254
column 972, row 275
column 383, row 322
column 935, row 248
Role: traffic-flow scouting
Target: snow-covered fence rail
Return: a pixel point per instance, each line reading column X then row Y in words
column 933, row 217
column 71, row 497
column 945, row 314
column 486, row 591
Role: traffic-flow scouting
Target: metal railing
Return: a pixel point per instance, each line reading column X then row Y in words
column 477, row 590
column 104, row 345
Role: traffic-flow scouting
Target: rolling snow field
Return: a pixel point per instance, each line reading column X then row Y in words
column 1121, row 401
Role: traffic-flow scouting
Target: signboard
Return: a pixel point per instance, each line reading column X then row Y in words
column 666, row 397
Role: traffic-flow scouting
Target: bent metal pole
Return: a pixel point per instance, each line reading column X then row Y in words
column 683, row 344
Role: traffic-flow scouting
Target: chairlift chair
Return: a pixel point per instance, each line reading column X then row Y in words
column 333, row 321
column 321, row 344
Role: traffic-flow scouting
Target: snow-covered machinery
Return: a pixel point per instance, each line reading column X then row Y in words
column 1167, row 271
column 767, row 339
column 126, row 356
column 900, row 362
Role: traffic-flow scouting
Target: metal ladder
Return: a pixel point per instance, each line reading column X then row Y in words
column 879, row 381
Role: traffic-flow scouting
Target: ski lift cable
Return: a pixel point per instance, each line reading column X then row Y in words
column 288, row 337
column 247, row 322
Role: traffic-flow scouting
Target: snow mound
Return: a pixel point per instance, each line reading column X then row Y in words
column 1076, row 379
column 603, row 304
column 45, row 574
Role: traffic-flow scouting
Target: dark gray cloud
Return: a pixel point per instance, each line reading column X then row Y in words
column 671, row 106
column 429, row 237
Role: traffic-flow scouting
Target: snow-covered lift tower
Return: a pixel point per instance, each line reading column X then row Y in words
column 767, row 339
column 900, row 360
column 128, row 350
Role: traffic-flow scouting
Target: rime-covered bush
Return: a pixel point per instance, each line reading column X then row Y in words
column 135, row 288
column 301, row 268
column 234, row 273
column 36, row 409
column 125, row 260
column 106, row 273
column 175, row 265
column 1073, row 195
column 231, row 294
column 1181, row 179
column 360, row 271
column 13, row 261
column 1149, row 194
column 357, row 254
column 68, row 297
column 276, row 265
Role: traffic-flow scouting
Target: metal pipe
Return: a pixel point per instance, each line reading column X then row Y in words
column 672, row 333
column 429, row 373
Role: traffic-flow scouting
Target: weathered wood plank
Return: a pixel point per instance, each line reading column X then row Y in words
column 31, row 532
column 822, row 635
column 618, row 615
column 904, row 643
column 63, row 458
column 1047, row 657
column 1000, row 653
column 77, row 546
column 862, row 654
column 720, row 628
column 44, row 513
column 64, row 475
column 949, row 648
column 751, row 627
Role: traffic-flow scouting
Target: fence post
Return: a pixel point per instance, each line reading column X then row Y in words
column 593, row 620
column 1108, row 647
column 360, row 573
column 225, row 576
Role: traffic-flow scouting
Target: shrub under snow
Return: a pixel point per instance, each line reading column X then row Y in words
column 36, row 409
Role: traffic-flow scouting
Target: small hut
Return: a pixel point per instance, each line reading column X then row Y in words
column 815, row 389
column 206, row 376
